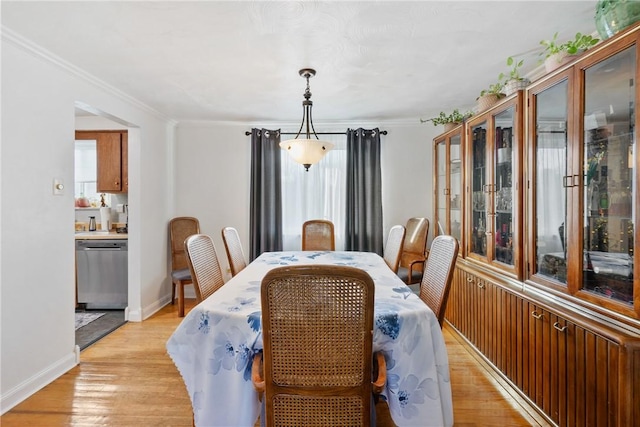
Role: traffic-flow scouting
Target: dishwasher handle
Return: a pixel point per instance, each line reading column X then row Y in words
column 104, row 245
column 97, row 249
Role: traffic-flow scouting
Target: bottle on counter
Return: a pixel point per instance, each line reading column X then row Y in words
column 92, row 223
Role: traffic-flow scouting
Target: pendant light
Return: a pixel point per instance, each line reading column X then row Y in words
column 306, row 151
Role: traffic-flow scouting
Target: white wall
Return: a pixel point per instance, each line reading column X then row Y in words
column 37, row 288
column 212, row 181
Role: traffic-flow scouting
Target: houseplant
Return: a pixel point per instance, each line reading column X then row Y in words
column 513, row 81
column 488, row 97
column 557, row 54
column 613, row 16
column 449, row 120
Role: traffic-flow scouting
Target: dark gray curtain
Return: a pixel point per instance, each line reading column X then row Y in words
column 266, row 193
column 363, row 221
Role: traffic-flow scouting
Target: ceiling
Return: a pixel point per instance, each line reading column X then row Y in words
column 238, row 61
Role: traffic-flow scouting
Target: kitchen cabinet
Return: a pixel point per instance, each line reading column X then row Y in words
column 112, row 159
column 448, row 182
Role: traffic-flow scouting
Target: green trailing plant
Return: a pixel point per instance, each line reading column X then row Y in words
column 551, row 46
column 514, row 73
column 454, row 117
column 580, row 42
column 494, row 89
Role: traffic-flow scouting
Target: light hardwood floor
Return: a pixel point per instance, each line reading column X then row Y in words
column 127, row 379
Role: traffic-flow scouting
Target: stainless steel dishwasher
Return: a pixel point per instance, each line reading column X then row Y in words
column 102, row 273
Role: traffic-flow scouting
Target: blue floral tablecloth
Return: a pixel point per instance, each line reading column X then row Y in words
column 214, row 345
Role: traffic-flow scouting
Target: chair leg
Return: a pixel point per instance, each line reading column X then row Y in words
column 181, row 300
column 410, row 275
column 173, row 293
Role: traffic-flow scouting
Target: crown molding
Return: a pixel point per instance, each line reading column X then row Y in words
column 41, row 53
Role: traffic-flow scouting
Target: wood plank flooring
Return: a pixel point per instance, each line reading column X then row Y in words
column 127, row 379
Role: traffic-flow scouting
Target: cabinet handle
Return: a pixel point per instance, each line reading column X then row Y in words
column 469, row 279
column 536, row 315
column 481, row 285
column 558, row 327
column 486, row 188
column 445, row 191
column 565, row 179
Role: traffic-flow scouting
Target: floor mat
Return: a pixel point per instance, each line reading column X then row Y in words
column 84, row 318
column 99, row 328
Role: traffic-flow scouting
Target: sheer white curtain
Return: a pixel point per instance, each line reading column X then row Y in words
column 316, row 194
column 551, row 199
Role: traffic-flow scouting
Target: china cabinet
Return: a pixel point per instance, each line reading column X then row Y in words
column 583, row 180
column 448, row 181
column 494, row 160
column 546, row 287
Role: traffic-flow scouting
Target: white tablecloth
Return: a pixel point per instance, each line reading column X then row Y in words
column 214, row 345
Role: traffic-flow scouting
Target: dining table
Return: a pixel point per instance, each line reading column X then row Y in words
column 214, row 345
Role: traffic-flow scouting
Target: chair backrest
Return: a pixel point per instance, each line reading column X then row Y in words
column 415, row 241
column 438, row 273
column 233, row 247
column 317, row 324
column 318, row 235
column 204, row 266
column 393, row 247
column 179, row 229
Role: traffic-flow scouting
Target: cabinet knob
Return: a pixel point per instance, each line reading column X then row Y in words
column 481, row 285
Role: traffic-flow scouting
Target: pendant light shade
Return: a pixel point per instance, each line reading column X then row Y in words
column 306, row 151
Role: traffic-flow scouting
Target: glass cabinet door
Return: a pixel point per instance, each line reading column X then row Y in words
column 455, row 187
column 448, row 184
column 502, row 187
column 550, row 183
column 479, row 190
column 608, row 213
column 441, row 188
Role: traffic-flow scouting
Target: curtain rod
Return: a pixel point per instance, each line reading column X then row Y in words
column 382, row 132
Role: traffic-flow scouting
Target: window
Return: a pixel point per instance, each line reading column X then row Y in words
column 316, row 194
column 86, row 172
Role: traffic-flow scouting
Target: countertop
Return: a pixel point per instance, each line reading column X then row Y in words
column 94, row 235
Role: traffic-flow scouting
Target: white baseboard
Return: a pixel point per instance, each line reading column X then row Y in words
column 153, row 308
column 37, row 382
column 144, row 313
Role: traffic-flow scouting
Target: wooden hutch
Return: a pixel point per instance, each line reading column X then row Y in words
column 542, row 190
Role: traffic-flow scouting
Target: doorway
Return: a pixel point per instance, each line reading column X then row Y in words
column 101, row 216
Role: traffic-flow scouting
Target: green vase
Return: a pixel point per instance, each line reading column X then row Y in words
column 613, row 16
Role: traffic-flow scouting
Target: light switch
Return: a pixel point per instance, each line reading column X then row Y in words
column 58, row 187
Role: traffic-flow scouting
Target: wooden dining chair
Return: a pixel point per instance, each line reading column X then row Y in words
column 204, row 265
column 179, row 229
column 393, row 247
column 438, row 274
column 318, row 235
column 414, row 250
column 317, row 364
column 233, row 247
